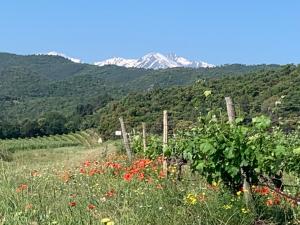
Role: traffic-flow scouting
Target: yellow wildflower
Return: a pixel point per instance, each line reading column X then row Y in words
column 107, row 221
column 172, row 169
column 244, row 210
column 228, row 206
column 191, row 199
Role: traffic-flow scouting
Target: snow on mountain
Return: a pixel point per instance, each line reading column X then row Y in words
column 63, row 55
column 118, row 61
column 183, row 62
column 152, row 60
column 155, row 61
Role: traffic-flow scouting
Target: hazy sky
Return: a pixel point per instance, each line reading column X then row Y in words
column 219, row 32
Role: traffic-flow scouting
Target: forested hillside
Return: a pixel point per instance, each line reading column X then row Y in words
column 274, row 92
column 35, row 89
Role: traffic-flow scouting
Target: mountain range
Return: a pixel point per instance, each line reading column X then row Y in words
column 151, row 60
column 155, row 60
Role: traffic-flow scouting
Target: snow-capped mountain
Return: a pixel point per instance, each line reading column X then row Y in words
column 118, row 61
column 155, row 61
column 63, row 55
column 150, row 61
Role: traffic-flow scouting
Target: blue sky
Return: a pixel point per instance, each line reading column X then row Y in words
column 216, row 31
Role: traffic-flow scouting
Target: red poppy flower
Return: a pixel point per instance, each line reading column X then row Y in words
column 22, row 187
column 127, row 176
column 159, row 186
column 82, row 171
column 141, row 176
column 91, row 206
column 269, row 202
column 110, row 193
column 72, row 204
column 262, row 190
column 87, row 163
column 161, row 174
column 92, row 172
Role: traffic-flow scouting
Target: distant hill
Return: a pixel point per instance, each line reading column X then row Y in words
column 52, row 67
column 32, row 86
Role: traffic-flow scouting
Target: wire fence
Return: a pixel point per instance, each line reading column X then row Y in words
column 178, row 119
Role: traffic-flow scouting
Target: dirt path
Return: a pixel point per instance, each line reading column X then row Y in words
column 52, row 159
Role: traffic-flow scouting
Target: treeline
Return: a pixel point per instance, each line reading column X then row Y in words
column 51, row 123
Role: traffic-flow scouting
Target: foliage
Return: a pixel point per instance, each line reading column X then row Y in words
column 292, row 160
column 225, row 152
column 274, row 93
column 228, row 152
column 154, row 146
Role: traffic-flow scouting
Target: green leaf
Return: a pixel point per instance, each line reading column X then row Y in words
column 239, row 120
column 279, row 150
column 207, row 93
column 261, row 122
column 200, row 166
column 244, row 163
column 296, row 151
column 228, row 152
column 233, row 171
column 206, row 147
column 188, row 156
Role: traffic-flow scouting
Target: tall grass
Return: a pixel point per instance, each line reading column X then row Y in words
column 69, row 189
column 72, row 186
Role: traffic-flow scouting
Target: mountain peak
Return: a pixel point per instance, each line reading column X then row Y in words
column 154, row 60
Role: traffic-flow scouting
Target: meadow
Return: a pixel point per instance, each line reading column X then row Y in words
column 74, row 186
column 80, row 185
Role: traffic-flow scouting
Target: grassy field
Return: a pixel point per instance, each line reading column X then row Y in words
column 81, row 138
column 80, row 185
column 88, row 138
column 75, row 185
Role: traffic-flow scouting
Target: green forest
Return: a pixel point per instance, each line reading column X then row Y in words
column 275, row 93
column 45, row 95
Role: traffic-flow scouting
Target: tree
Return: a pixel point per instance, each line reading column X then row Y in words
column 53, row 123
column 29, row 128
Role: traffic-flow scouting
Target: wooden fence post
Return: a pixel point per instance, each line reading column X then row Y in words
column 125, row 139
column 246, row 185
column 230, row 109
column 165, row 141
column 144, row 136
